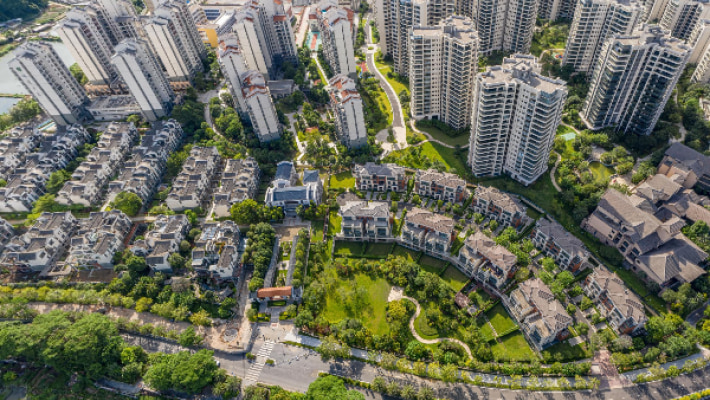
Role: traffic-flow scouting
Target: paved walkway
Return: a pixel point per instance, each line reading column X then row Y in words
column 431, row 341
column 398, row 126
column 552, row 174
column 252, row 375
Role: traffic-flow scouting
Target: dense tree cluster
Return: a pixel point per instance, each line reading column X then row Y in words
column 23, row 111
column 25, row 9
column 128, row 202
column 259, row 252
column 250, row 212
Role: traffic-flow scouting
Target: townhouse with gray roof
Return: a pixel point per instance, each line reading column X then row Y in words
column 26, row 183
column 18, row 142
column 555, row 242
column 162, row 240
column 215, row 251
column 366, row 221
column 42, row 245
column 426, row 231
column 691, row 167
column 380, row 177
column 285, row 194
column 240, row 181
column 506, row 209
column 97, row 239
column 142, row 173
column 481, row 258
column 104, row 160
column 7, row 232
column 651, row 246
column 192, row 185
column 543, row 319
column 615, row 302
column 440, row 186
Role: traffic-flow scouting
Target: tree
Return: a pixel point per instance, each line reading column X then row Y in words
column 228, row 388
column 331, row 388
column 176, row 261
column 201, row 318
column 659, row 327
column 136, row 264
column 143, row 304
column 56, row 181
column 128, row 202
column 78, row 74
column 181, row 371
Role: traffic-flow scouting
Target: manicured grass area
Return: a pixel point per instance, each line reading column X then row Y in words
column 449, row 157
column 563, row 129
column 412, row 158
column 317, row 230
column 460, row 140
column 345, row 249
column 432, row 262
column 454, row 278
column 396, row 85
column 600, row 171
column 423, row 329
column 487, row 333
column 378, row 249
column 501, row 321
column 334, row 223
column 568, row 353
column 405, row 252
column 339, row 305
column 514, row 347
column 343, row 180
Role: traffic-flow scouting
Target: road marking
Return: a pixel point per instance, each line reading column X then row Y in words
column 252, row 375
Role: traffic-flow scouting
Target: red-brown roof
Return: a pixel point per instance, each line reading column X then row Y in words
column 274, row 291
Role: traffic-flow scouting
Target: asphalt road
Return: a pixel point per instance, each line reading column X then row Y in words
column 296, row 368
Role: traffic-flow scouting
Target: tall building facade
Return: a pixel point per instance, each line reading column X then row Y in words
column 594, row 22
column 396, row 18
column 233, row 64
column 89, row 43
column 633, row 79
column 346, row 104
column 443, row 61
column 175, row 40
column 337, row 39
column 260, row 106
column 680, row 17
column 504, row 25
column 141, row 72
column 515, row 116
column 556, row 9
column 279, row 33
column 249, row 31
column 700, row 41
column 121, row 19
column 40, row 70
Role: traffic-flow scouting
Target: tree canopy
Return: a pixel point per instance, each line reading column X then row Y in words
column 128, row 202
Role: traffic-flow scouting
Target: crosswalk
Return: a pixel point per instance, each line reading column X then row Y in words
column 252, row 375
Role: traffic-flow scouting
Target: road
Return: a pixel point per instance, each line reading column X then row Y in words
column 295, row 368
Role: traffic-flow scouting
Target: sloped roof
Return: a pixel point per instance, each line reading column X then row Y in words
column 428, row 219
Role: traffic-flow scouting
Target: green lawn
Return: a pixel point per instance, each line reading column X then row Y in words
column 432, row 262
column 396, row 85
column 346, row 249
column 430, row 151
column 334, row 223
column 514, row 347
column 487, row 333
column 421, row 326
column 405, row 252
column 600, row 171
column 460, row 140
column 317, row 230
column 501, row 321
column 454, row 278
column 373, row 315
column 378, row 249
column 568, row 353
column 343, row 180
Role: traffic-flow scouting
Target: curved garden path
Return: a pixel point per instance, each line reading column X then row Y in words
column 431, row 138
column 552, row 174
column 431, row 341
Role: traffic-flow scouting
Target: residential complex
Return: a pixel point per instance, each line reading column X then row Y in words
column 633, row 79
column 380, row 177
column 141, row 72
column 501, row 207
column 440, row 186
column 595, row 21
column 193, row 184
column 481, row 258
column 40, row 70
column 686, row 167
column 427, row 231
column 347, row 108
column 504, row 25
column 542, row 317
column 681, row 17
column 337, row 37
column 366, row 221
column 621, row 307
column 260, row 106
column 556, row 9
column 249, row 30
column 555, row 242
column 284, row 192
column 240, row 181
column 42, row 245
column 516, row 111
column 88, row 180
column 97, row 240
column 162, row 240
column 175, row 40
column 650, row 245
column 443, row 61
column 215, row 253
column 232, row 63
column 700, row 40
